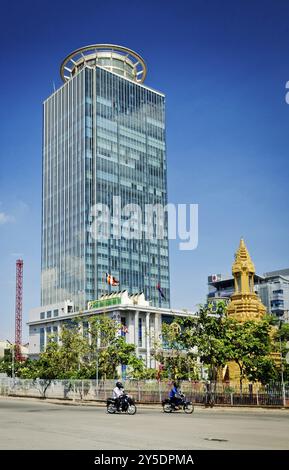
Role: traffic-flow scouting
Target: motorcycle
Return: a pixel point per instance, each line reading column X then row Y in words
column 127, row 405
column 184, row 404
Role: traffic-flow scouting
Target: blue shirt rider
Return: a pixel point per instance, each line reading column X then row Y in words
column 175, row 394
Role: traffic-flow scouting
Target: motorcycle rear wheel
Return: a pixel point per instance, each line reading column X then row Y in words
column 167, row 408
column 111, row 409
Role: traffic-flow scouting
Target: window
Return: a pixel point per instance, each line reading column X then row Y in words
column 41, row 339
column 48, row 314
column 42, row 315
column 124, row 327
column 277, row 303
column 55, row 313
column 140, row 332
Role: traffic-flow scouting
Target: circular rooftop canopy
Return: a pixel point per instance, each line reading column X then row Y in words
column 117, row 59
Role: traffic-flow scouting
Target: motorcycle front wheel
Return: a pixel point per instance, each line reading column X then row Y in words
column 111, row 408
column 131, row 409
column 188, row 408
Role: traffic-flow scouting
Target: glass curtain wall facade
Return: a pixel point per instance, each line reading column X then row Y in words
column 104, row 136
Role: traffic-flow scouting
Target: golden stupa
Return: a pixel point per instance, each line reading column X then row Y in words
column 244, row 304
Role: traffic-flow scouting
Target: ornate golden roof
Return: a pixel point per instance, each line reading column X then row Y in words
column 243, row 260
column 245, row 303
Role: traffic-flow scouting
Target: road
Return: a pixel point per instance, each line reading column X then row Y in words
column 33, row 424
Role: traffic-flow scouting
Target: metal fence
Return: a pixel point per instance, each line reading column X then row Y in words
column 149, row 391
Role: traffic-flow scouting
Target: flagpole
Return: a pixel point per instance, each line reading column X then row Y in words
column 104, row 285
column 161, row 294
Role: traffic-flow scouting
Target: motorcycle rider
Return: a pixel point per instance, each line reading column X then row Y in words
column 118, row 394
column 175, row 395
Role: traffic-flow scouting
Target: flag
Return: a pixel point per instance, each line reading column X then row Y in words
column 161, row 291
column 111, row 280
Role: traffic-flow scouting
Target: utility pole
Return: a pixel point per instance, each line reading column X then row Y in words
column 282, row 372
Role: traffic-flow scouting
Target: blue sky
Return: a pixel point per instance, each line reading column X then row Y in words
column 223, row 66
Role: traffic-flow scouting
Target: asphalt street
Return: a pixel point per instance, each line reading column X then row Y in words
column 34, row 424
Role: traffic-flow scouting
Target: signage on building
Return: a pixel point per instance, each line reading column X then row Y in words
column 215, row 278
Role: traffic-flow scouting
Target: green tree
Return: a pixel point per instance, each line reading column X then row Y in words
column 60, row 360
column 174, row 352
column 111, row 349
column 44, row 370
column 72, row 351
column 209, row 336
column 261, row 369
column 203, row 336
column 6, row 365
column 137, row 369
column 249, row 345
column 281, row 347
column 74, row 356
column 218, row 339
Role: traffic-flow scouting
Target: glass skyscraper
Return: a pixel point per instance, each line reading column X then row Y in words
column 103, row 136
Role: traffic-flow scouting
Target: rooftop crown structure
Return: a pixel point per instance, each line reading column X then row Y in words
column 245, row 304
column 117, row 59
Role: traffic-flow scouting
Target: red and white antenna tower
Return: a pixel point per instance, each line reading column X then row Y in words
column 18, row 309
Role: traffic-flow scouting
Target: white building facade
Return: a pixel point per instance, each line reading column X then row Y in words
column 142, row 322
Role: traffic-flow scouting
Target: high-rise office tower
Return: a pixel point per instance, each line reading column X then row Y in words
column 103, row 137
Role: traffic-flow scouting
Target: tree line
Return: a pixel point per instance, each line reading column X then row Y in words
column 214, row 339
column 186, row 348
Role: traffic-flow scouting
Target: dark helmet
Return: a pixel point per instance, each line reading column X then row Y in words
column 119, row 385
column 175, row 384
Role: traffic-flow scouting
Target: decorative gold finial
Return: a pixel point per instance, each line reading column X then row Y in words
column 243, row 260
column 244, row 304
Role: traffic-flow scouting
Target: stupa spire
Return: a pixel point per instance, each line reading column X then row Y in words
column 245, row 303
column 243, row 260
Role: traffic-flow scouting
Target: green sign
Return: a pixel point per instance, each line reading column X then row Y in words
column 103, row 303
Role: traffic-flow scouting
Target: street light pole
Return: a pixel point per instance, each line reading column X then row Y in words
column 96, row 372
column 282, row 374
column 13, row 365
